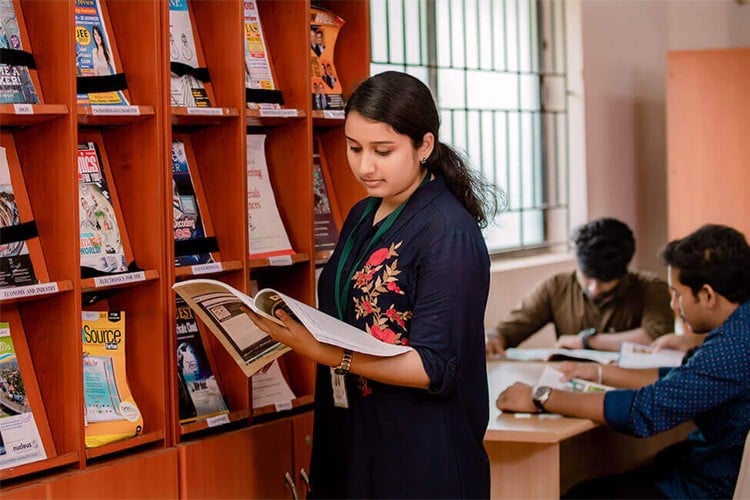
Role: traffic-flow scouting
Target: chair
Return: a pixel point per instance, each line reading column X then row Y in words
column 742, row 487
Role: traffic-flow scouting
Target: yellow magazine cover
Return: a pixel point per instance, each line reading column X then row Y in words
column 111, row 412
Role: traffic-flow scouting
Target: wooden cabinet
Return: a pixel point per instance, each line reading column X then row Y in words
column 708, row 125
column 246, row 459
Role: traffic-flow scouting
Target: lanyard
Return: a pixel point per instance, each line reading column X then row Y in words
column 342, row 292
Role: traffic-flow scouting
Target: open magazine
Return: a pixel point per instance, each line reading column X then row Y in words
column 603, row 357
column 634, row 355
column 219, row 306
column 552, row 378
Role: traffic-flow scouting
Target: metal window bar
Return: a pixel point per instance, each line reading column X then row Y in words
column 542, row 191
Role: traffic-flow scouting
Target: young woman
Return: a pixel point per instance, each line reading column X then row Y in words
column 100, row 54
column 410, row 268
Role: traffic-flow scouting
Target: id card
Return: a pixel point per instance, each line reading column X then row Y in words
column 338, row 383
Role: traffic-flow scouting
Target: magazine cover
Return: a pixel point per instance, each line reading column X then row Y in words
column 267, row 234
column 187, row 221
column 111, row 412
column 326, row 232
column 101, row 242
column 326, row 88
column 258, row 72
column 20, row 442
column 16, row 85
column 194, row 367
column 94, row 52
column 186, row 90
column 16, row 268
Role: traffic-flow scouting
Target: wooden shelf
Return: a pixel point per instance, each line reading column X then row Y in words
column 127, row 444
column 118, row 280
column 273, row 117
column 195, row 117
column 279, row 261
column 33, row 292
column 212, row 269
column 306, row 400
column 203, row 424
column 24, row 115
column 35, row 467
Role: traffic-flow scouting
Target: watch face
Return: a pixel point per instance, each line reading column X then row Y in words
column 542, row 393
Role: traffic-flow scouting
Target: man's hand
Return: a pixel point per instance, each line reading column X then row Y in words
column 584, row 371
column 683, row 342
column 516, row 398
column 494, row 346
column 569, row 342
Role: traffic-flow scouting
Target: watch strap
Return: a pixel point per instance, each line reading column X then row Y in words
column 346, row 363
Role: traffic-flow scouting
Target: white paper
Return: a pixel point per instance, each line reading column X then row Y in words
column 634, row 355
column 271, row 388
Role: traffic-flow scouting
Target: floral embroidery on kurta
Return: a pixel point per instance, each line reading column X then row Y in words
column 378, row 278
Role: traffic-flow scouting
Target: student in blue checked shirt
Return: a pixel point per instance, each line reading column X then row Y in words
column 709, row 275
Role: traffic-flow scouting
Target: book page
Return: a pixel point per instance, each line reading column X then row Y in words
column 271, row 388
column 603, row 357
column 634, row 355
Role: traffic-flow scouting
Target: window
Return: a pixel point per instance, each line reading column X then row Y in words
column 498, row 70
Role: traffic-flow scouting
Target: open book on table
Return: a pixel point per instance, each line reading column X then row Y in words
column 603, row 357
column 552, row 378
column 634, row 355
column 219, row 306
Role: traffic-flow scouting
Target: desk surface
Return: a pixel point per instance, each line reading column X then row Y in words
column 529, row 428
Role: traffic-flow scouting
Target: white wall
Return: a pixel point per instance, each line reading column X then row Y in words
column 624, row 59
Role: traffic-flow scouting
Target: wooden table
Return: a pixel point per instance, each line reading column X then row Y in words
column 540, row 456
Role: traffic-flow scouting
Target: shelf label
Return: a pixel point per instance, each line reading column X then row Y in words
column 105, row 109
column 217, row 420
column 119, row 279
column 335, row 114
column 280, row 260
column 205, row 111
column 281, row 113
column 28, row 291
column 213, row 267
column 283, row 406
column 23, row 109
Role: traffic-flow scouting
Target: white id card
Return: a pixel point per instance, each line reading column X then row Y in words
column 338, row 383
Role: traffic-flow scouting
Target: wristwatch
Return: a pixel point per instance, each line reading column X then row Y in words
column 585, row 335
column 540, row 396
column 346, row 363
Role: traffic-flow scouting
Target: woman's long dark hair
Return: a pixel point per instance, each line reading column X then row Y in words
column 406, row 104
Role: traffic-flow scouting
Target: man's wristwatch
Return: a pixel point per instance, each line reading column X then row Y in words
column 585, row 335
column 346, row 363
column 540, row 396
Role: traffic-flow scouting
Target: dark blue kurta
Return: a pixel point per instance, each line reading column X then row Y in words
column 425, row 284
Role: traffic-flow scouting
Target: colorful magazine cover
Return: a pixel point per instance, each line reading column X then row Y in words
column 186, row 90
column 327, row 92
column 101, row 242
column 20, row 442
column 187, row 221
column 326, row 232
column 194, row 368
column 16, row 268
column 267, row 234
column 258, row 73
column 111, row 412
column 16, row 85
column 94, row 54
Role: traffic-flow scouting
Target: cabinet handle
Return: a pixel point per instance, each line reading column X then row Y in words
column 290, row 483
column 305, row 478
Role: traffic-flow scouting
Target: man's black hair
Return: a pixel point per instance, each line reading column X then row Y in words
column 714, row 255
column 604, row 248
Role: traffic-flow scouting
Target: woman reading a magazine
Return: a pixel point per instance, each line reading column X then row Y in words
column 410, row 268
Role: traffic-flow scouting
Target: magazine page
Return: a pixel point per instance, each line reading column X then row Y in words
column 94, row 54
column 220, row 307
column 271, row 388
column 186, row 211
column 20, row 442
column 186, row 90
column 267, row 234
column 16, row 85
column 100, row 239
column 111, row 412
column 194, row 370
column 16, row 268
column 551, row 377
column 634, row 355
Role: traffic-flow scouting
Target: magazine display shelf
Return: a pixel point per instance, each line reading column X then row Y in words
column 169, row 459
